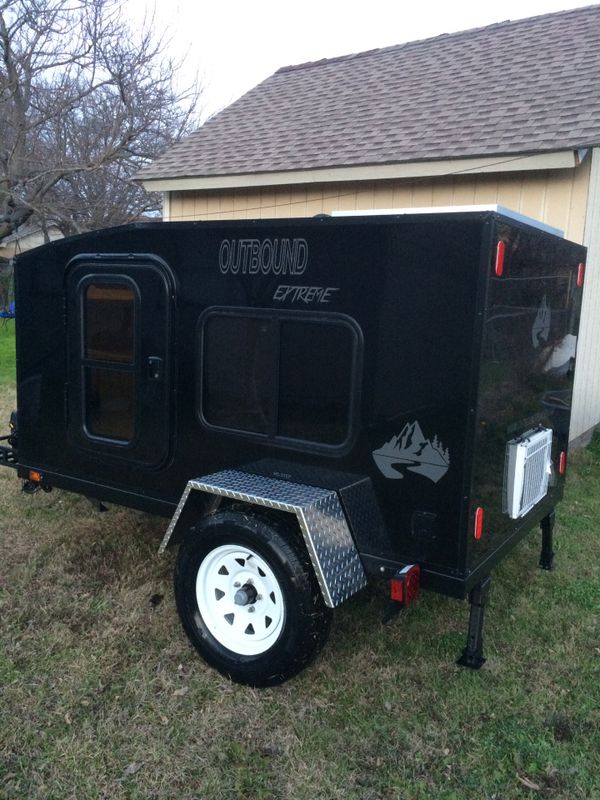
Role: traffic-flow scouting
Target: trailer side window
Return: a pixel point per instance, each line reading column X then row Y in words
column 109, row 360
column 290, row 378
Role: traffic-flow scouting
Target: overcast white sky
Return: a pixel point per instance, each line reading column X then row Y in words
column 234, row 45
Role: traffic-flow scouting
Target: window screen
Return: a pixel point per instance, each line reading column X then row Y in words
column 110, row 407
column 108, row 350
column 289, row 377
column 109, row 311
column 315, row 380
column 238, row 358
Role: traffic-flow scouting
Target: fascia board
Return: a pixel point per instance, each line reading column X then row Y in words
column 561, row 159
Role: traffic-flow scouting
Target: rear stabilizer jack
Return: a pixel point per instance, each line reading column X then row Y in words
column 547, row 553
column 472, row 656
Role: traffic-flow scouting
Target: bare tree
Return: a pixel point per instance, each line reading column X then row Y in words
column 84, row 103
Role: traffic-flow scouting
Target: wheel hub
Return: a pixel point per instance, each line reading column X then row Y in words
column 246, row 595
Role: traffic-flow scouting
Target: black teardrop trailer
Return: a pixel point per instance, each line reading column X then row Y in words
column 313, row 403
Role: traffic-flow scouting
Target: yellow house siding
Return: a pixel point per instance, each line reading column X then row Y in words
column 558, row 197
column 586, row 403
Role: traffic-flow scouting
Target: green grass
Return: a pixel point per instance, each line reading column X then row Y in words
column 103, row 698
column 7, row 352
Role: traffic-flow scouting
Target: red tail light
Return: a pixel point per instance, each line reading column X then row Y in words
column 499, row 266
column 562, row 463
column 478, row 526
column 404, row 587
column 580, row 275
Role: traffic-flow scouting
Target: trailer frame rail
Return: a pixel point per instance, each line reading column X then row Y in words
column 8, row 455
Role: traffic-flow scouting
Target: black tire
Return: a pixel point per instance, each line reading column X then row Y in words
column 301, row 620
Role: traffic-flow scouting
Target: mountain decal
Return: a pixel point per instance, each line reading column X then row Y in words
column 411, row 451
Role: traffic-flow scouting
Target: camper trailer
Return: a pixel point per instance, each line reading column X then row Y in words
column 312, row 404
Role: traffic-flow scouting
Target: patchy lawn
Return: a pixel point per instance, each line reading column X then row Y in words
column 102, row 696
column 7, row 352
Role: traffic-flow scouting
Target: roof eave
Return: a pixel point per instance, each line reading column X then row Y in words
column 515, row 162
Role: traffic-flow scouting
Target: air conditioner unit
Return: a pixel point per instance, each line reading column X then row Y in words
column 527, row 470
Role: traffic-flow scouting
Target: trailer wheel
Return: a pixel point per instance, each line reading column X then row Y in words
column 248, row 598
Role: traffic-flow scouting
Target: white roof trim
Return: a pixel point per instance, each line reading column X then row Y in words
column 561, row 159
column 507, row 212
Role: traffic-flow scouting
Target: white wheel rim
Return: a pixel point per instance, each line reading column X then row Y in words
column 248, row 629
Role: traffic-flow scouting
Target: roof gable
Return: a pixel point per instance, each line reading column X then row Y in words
column 518, row 87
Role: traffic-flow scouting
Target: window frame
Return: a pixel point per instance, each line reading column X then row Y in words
column 276, row 317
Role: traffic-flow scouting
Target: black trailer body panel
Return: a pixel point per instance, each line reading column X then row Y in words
column 526, row 371
column 364, row 352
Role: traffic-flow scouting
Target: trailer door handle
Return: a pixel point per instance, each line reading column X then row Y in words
column 154, row 365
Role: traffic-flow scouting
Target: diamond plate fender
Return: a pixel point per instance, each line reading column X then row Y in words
column 320, row 515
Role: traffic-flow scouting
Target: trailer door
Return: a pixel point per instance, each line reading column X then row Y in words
column 118, row 318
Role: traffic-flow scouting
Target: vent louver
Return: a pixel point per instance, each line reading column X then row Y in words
column 527, row 470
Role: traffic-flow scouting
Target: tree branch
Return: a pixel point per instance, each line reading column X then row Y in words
column 84, row 103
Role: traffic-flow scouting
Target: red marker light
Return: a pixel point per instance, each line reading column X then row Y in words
column 478, row 528
column 499, row 267
column 405, row 585
column 562, row 463
column 580, row 275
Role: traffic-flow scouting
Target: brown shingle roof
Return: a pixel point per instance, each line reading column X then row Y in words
column 531, row 85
